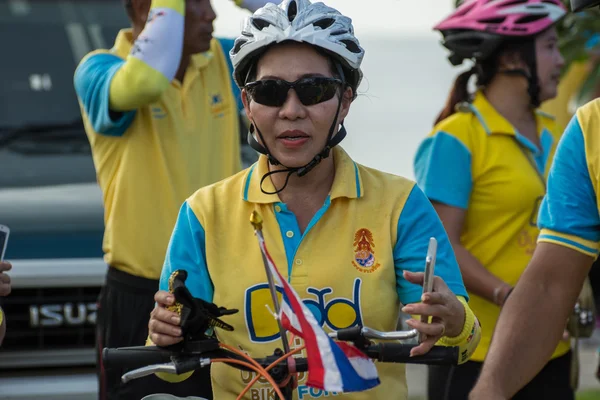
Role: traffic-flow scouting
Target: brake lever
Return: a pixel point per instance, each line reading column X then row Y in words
column 148, row 370
column 179, row 365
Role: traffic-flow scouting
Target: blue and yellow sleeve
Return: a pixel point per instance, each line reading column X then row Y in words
column 92, row 84
column 442, row 168
column 417, row 223
column 569, row 212
column 110, row 89
column 187, row 251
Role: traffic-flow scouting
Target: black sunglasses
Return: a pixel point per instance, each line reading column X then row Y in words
column 310, row 91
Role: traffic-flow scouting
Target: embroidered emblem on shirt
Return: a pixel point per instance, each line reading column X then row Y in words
column 364, row 255
column 158, row 112
column 216, row 105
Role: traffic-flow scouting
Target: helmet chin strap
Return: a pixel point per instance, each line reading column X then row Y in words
column 533, row 84
column 332, row 141
column 334, row 137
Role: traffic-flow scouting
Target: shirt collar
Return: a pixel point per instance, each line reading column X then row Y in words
column 346, row 183
column 493, row 122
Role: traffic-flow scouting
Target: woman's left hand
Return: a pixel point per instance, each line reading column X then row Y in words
column 447, row 312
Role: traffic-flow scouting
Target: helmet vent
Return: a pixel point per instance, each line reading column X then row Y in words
column 260, row 24
column 530, row 18
column 351, row 46
column 495, row 20
column 292, row 10
column 513, row 3
column 238, row 45
column 324, row 23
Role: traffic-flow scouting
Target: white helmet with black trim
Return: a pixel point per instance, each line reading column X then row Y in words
column 300, row 21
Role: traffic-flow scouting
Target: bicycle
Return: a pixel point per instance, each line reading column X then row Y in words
column 277, row 368
column 198, row 350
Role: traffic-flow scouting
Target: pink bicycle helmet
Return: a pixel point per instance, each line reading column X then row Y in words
column 477, row 27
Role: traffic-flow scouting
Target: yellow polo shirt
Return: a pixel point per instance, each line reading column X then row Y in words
column 346, row 266
column 476, row 160
column 149, row 160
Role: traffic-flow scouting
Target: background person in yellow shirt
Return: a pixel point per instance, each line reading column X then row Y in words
column 484, row 165
column 162, row 119
column 569, row 243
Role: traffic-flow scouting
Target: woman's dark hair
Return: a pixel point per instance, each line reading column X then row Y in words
column 485, row 71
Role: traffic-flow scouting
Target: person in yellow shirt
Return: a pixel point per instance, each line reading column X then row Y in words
column 161, row 115
column 568, row 245
column 484, row 167
column 4, row 291
column 351, row 240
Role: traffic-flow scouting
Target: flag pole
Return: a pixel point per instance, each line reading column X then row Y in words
column 256, row 221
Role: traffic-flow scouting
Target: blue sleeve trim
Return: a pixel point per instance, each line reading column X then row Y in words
column 443, row 170
column 227, row 45
column 187, row 251
column 92, row 85
column 417, row 223
column 568, row 241
column 569, row 206
column 248, row 180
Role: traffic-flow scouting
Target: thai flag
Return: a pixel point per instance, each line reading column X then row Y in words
column 332, row 366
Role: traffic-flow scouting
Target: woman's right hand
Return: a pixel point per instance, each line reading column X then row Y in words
column 164, row 327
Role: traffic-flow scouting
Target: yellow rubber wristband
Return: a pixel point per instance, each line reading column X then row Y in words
column 466, row 330
column 468, row 339
column 1, row 316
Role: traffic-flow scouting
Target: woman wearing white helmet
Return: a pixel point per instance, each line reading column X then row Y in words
column 351, row 240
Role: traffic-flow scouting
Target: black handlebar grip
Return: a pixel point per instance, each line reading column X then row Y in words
column 349, row 334
column 400, row 353
column 135, row 357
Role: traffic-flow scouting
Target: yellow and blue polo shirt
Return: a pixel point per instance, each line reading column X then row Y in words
column 569, row 214
column 477, row 161
column 149, row 160
column 347, row 265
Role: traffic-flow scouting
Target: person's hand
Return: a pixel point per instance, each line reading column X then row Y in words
column 4, row 278
column 447, row 312
column 164, row 324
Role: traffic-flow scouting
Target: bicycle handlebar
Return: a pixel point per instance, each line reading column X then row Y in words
column 135, row 357
column 178, row 360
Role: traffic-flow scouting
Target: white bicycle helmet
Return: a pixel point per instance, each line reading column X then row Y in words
column 300, row 21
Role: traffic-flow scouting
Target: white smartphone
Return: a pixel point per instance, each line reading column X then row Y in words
column 429, row 274
column 4, row 232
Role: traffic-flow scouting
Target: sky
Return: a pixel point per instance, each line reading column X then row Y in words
column 413, row 17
